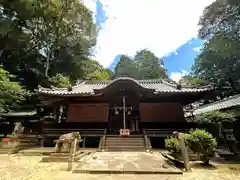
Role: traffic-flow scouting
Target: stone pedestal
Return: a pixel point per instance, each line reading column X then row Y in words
column 63, row 146
column 231, row 141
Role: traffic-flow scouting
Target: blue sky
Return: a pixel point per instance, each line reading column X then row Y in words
column 167, row 28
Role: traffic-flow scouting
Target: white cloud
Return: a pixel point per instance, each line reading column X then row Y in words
column 175, row 53
column 91, row 4
column 176, row 76
column 161, row 26
column 197, row 49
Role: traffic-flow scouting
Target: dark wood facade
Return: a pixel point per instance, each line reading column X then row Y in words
column 124, row 103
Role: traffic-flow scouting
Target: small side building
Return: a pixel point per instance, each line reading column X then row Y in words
column 29, row 120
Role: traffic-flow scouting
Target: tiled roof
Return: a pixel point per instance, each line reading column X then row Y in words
column 19, row 114
column 88, row 87
column 222, row 104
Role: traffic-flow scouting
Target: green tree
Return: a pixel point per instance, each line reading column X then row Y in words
column 218, row 63
column 40, row 38
column 110, row 73
column 191, row 81
column 11, row 92
column 93, row 70
column 60, row 81
column 126, row 67
column 217, row 117
column 98, row 75
column 149, row 65
column 145, row 65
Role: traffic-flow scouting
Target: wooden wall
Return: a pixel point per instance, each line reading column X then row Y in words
column 161, row 112
column 94, row 112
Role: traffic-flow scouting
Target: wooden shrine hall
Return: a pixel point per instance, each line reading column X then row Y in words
column 138, row 106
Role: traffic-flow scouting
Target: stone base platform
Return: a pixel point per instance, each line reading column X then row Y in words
column 125, row 162
column 40, row 151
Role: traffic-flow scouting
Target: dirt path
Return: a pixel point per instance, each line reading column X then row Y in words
column 17, row 167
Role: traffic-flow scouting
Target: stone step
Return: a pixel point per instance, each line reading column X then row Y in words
column 55, row 159
column 125, row 139
column 60, row 154
column 136, row 147
column 128, row 140
column 119, row 142
column 26, row 145
column 5, row 151
column 122, row 145
column 24, row 141
column 130, row 143
column 125, row 148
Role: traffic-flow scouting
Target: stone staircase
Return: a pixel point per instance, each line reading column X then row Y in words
column 121, row 143
column 5, row 150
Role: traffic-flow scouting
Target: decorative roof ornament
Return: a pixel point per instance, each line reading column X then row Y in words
column 179, row 86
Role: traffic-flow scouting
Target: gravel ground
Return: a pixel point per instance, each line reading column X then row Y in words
column 18, row 167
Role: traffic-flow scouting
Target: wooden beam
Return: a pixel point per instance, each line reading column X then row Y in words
column 84, row 142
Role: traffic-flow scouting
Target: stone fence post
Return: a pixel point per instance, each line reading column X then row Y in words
column 180, row 137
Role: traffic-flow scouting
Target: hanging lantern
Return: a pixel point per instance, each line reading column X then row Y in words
column 129, row 112
column 116, row 112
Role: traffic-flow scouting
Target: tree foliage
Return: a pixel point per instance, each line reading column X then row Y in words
column 144, row 65
column 11, row 92
column 150, row 66
column 46, row 42
column 191, row 81
column 214, row 121
column 217, row 117
column 60, row 81
column 219, row 63
column 126, row 67
column 40, row 38
column 95, row 71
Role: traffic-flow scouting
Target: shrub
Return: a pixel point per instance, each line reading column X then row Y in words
column 172, row 144
column 202, row 143
column 217, row 117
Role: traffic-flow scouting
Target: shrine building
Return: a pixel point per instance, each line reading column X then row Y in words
column 139, row 106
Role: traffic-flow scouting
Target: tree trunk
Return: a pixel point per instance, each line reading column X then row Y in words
column 47, row 63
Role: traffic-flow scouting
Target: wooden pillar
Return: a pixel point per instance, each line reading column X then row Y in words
column 60, row 112
column 137, row 124
column 84, row 142
column 55, row 112
column 42, row 142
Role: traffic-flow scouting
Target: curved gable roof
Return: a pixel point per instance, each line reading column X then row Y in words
column 91, row 87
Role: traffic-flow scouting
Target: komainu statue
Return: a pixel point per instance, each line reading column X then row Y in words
column 18, row 128
column 64, row 142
